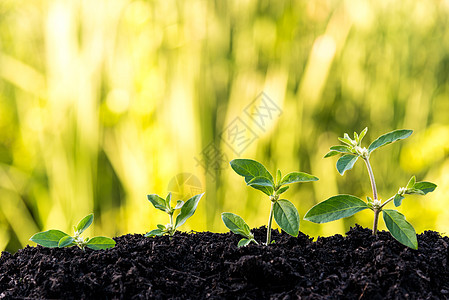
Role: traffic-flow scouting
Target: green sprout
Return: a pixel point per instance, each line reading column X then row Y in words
column 284, row 212
column 342, row 206
column 187, row 209
column 56, row 238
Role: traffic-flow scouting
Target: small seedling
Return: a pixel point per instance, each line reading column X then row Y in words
column 187, row 209
column 55, row 238
column 285, row 213
column 342, row 206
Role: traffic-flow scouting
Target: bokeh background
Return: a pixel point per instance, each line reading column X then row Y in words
column 105, row 101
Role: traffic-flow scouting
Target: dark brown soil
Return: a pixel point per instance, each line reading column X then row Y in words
column 209, row 265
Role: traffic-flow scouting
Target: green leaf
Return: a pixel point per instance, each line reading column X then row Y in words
column 249, row 169
column 187, row 210
column 362, row 135
column 155, row 232
column 66, row 241
column 398, row 200
column 341, row 149
column 411, row 182
column 179, row 204
column 157, row 202
column 84, row 223
column 425, row 187
column 399, row 228
column 168, row 200
column 49, row 238
column 282, row 189
column 389, row 138
column 278, row 177
column 331, row 153
column 100, row 243
column 414, row 192
column 297, row 177
column 161, row 227
column 244, row 242
column 346, row 162
column 286, row 216
column 263, row 184
column 346, row 140
column 236, row 224
column 334, row 208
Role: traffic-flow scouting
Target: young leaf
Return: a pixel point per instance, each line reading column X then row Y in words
column 398, row 200
column 236, row 224
column 346, row 140
column 286, row 216
column 346, row 162
column 84, row 223
column 331, row 153
column 66, row 241
column 282, row 189
column 399, row 228
column 278, row 178
column 179, row 204
column 411, row 182
column 49, row 238
column 187, row 210
column 263, row 184
column 414, row 192
column 155, row 232
column 100, row 242
column 334, row 208
column 249, row 169
column 157, row 202
column 389, row 138
column 168, row 200
column 425, row 187
column 297, row 177
column 341, row 149
column 362, row 135
column 161, row 227
column 243, row 242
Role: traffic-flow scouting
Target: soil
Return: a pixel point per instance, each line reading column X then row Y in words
column 209, row 265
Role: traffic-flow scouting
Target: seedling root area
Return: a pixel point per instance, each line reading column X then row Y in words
column 210, row 266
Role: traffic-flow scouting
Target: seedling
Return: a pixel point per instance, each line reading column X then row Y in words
column 285, row 213
column 187, row 209
column 342, row 206
column 55, row 238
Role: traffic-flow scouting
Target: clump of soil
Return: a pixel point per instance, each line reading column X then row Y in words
column 209, row 265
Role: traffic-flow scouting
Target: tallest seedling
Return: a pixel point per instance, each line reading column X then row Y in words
column 342, row 206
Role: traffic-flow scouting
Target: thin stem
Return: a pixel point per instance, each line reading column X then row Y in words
column 386, row 202
column 371, row 177
column 376, row 220
column 376, row 210
column 269, row 223
column 172, row 230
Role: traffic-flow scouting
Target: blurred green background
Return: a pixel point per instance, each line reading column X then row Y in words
column 103, row 102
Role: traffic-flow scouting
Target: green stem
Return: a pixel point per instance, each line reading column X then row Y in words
column 172, row 230
column 371, row 177
column 376, row 220
column 269, row 223
column 374, row 188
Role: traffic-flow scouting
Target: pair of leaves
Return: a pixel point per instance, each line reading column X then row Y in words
column 284, row 212
column 342, row 206
column 350, row 156
column 56, row 238
column 414, row 188
column 164, row 204
column 258, row 177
